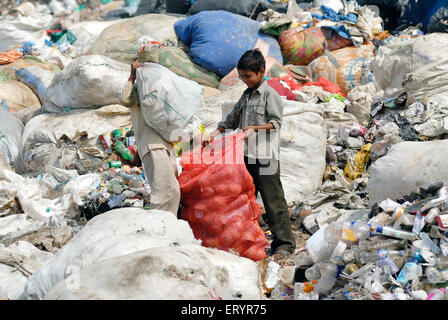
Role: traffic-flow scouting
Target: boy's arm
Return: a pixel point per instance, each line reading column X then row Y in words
column 274, row 110
column 231, row 121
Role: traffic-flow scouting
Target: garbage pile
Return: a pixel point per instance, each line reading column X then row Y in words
column 363, row 85
column 394, row 251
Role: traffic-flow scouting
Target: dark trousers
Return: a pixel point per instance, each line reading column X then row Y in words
column 266, row 175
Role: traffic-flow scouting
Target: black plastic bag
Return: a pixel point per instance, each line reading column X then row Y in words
column 178, row 6
column 151, row 6
column 439, row 21
column 390, row 11
column 247, row 8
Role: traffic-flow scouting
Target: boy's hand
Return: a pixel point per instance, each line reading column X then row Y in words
column 249, row 131
column 210, row 137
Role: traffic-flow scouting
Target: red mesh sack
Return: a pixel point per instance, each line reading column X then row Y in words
column 218, row 198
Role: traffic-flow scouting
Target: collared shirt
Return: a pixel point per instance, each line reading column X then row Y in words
column 147, row 138
column 255, row 108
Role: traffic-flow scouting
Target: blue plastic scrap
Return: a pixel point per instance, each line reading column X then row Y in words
column 31, row 80
column 330, row 14
column 340, row 30
column 5, row 105
column 27, row 47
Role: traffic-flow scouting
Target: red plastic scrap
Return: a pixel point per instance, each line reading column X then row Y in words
column 326, row 85
column 281, row 89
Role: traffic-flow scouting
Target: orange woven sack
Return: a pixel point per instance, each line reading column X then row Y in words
column 10, row 56
column 218, row 198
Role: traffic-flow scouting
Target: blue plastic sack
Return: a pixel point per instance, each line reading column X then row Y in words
column 218, row 39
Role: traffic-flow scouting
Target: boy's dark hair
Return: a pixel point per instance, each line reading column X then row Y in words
column 252, row 60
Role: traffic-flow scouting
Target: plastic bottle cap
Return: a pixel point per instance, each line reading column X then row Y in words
column 379, row 229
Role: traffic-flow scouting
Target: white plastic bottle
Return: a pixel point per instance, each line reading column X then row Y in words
column 395, row 233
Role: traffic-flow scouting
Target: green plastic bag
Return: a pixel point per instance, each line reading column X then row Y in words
column 175, row 59
column 61, row 37
column 132, row 3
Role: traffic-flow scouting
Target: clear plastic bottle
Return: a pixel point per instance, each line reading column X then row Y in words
column 349, row 232
column 332, row 233
column 432, row 214
column 114, row 187
column 437, row 294
column 116, row 200
column 433, row 247
column 372, row 256
column 405, row 219
column 411, row 270
column 367, row 245
column 328, row 272
column 361, row 230
column 313, row 273
column 380, row 219
column 303, row 258
column 433, row 275
column 395, row 233
column 442, row 262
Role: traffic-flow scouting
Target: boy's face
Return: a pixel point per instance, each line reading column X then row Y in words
column 250, row 78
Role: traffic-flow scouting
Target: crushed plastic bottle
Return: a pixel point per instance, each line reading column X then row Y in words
column 437, row 294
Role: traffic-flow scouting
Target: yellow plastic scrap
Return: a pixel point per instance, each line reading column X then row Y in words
column 180, row 146
column 355, row 167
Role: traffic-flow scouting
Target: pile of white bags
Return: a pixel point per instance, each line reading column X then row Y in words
column 418, row 66
column 14, row 31
column 168, row 101
column 17, row 262
column 11, row 130
column 302, row 149
column 123, row 40
column 88, row 82
column 132, row 253
column 406, row 167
